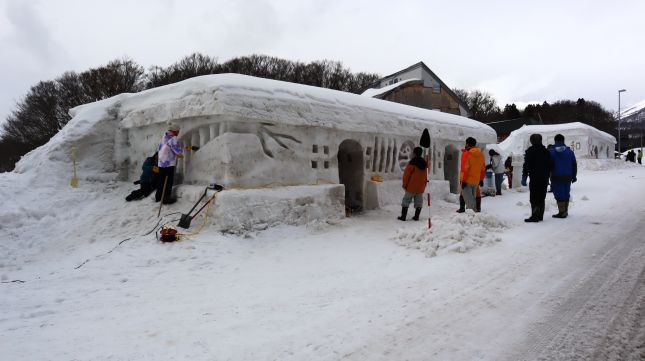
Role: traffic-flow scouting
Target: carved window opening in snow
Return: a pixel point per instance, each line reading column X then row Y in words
column 368, row 157
column 314, row 148
column 314, row 164
column 326, row 164
column 451, row 160
column 375, row 156
column 326, row 149
column 405, row 153
column 350, row 172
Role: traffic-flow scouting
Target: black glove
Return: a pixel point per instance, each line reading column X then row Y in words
column 463, row 185
column 137, row 182
column 194, row 148
column 574, row 180
column 481, row 183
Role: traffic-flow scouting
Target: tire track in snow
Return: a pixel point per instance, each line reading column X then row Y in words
column 579, row 320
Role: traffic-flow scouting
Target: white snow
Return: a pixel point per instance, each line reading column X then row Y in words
column 83, row 277
column 373, row 92
column 633, row 109
column 582, row 139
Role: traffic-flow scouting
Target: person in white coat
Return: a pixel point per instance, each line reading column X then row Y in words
column 498, row 168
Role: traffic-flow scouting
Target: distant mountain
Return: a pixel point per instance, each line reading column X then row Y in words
column 635, row 113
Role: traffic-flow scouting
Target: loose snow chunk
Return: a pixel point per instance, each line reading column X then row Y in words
column 451, row 233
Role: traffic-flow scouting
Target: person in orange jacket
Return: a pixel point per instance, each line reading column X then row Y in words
column 415, row 178
column 473, row 171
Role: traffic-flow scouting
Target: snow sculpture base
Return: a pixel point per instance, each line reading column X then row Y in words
column 244, row 210
column 380, row 194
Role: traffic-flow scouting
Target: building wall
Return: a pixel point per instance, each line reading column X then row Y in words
column 424, row 97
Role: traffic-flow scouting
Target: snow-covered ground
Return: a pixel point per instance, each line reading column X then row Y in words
column 475, row 287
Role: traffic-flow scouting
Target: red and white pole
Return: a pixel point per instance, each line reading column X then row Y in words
column 428, row 185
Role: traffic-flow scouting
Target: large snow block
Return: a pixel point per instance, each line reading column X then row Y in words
column 380, row 194
column 238, row 211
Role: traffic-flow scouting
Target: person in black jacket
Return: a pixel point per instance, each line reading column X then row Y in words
column 148, row 180
column 537, row 166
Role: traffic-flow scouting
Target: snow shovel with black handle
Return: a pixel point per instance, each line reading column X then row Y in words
column 425, row 143
column 185, row 219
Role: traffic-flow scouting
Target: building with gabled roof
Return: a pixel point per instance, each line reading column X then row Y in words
column 418, row 86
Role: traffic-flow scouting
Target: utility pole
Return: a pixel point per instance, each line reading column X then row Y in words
column 620, row 91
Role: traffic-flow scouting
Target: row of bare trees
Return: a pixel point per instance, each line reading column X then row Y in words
column 484, row 108
column 45, row 108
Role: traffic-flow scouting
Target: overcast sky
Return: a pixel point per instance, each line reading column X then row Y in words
column 518, row 51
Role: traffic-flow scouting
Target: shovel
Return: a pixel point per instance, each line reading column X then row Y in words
column 425, row 142
column 74, row 181
column 185, row 219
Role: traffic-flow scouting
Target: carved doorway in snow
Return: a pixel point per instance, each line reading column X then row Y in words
column 350, row 173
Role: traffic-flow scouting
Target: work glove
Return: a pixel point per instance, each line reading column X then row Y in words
column 524, row 181
column 180, row 155
column 481, row 183
column 155, row 169
column 192, row 148
column 574, row 180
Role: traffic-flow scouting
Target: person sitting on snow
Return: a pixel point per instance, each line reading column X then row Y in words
column 147, row 181
column 415, row 178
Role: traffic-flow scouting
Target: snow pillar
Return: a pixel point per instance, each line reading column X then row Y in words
column 518, row 163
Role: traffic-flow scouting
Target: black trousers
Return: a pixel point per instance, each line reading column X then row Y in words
column 166, row 175
column 140, row 193
column 537, row 189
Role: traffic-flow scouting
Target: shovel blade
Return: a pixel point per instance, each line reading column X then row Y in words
column 184, row 221
column 425, row 139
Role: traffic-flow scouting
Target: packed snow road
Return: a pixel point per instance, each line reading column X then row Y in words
column 557, row 290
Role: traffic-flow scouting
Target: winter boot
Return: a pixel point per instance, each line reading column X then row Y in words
column 534, row 214
column 540, row 213
column 562, row 209
column 417, row 212
column 478, row 204
column 404, row 213
column 462, row 204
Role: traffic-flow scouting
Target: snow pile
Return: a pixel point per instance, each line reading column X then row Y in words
column 604, row 164
column 450, row 233
column 375, row 92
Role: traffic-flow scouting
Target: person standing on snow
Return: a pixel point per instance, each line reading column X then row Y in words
column 563, row 172
column 537, row 166
column 148, row 180
column 508, row 164
column 640, row 156
column 473, row 171
column 415, row 178
column 169, row 150
column 498, row 169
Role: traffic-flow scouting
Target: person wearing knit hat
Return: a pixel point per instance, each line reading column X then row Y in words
column 169, row 150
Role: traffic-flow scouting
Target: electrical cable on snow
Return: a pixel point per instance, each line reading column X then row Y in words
column 129, row 238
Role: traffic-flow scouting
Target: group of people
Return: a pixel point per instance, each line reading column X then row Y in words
column 556, row 166
column 632, row 156
column 158, row 170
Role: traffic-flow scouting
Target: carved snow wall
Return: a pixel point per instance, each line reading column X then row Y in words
column 257, row 133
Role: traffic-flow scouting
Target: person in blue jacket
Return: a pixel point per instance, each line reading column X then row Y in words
column 147, row 181
column 564, row 170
